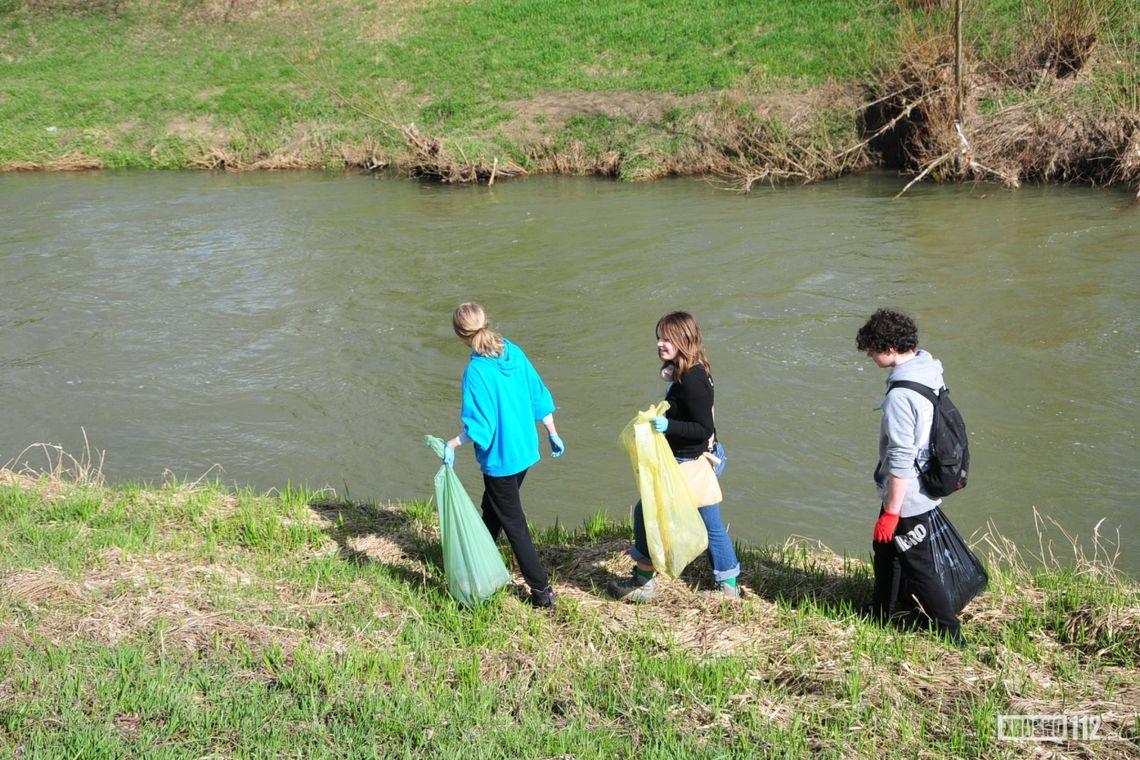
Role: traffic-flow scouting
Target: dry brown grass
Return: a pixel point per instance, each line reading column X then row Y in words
column 57, row 468
column 217, row 158
column 73, row 162
column 172, row 598
column 573, row 159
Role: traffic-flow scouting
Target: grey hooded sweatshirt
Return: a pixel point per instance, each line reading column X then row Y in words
column 904, row 434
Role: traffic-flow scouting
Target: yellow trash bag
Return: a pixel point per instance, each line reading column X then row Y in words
column 674, row 529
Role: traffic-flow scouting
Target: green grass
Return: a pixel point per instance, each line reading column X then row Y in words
column 472, row 56
column 188, row 620
column 176, row 83
column 116, row 86
column 120, row 87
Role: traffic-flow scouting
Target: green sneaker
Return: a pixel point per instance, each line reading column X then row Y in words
column 636, row 588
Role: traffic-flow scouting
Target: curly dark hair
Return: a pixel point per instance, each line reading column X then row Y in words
column 887, row 329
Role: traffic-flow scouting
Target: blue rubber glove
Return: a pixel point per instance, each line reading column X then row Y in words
column 448, row 455
column 660, row 424
column 556, row 445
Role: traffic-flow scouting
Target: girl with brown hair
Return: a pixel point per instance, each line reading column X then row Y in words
column 689, row 428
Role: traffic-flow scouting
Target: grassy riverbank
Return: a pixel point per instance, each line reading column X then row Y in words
column 463, row 91
column 185, row 620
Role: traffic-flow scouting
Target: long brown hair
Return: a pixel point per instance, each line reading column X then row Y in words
column 470, row 323
column 682, row 330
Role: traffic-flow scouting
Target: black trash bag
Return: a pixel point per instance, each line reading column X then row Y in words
column 961, row 572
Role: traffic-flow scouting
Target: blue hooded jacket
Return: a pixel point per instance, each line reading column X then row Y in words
column 503, row 398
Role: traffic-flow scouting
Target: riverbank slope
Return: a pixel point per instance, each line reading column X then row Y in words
column 1045, row 90
column 188, row 620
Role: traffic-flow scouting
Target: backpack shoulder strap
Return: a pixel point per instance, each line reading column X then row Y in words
column 919, row 388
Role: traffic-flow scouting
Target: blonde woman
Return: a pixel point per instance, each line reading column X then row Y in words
column 503, row 399
column 689, row 428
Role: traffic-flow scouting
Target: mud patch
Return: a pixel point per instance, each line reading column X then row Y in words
column 555, row 108
column 372, row 21
column 793, row 107
column 200, row 129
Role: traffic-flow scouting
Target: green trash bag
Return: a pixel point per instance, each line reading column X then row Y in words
column 474, row 568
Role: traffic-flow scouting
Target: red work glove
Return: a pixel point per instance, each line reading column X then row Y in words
column 885, row 527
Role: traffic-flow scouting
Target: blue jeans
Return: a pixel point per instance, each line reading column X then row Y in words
column 721, row 553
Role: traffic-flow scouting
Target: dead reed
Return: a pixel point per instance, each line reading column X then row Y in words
column 60, row 466
column 220, row 159
column 72, row 162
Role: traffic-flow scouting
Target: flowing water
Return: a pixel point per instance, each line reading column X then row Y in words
column 295, row 328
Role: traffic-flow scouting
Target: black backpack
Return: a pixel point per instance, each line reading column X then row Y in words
column 949, row 462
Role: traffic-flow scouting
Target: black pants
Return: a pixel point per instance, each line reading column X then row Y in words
column 502, row 511
column 908, row 561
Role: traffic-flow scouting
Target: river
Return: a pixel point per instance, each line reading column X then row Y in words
column 266, row 329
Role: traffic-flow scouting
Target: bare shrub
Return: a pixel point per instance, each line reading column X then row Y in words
column 919, row 122
column 742, row 147
column 429, row 159
column 911, row 111
column 219, row 159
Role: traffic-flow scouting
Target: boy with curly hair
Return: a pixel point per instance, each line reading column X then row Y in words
column 902, row 549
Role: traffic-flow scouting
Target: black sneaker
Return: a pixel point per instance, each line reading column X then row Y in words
column 542, row 598
column 874, row 613
column 959, row 641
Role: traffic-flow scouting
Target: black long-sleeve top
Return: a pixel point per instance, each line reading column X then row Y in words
column 690, row 414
